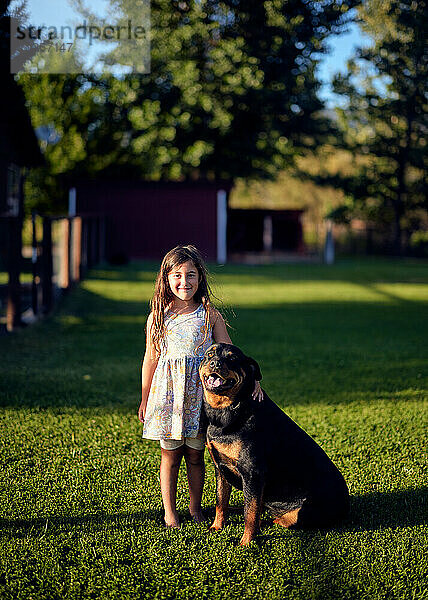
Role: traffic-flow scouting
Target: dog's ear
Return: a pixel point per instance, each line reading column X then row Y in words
column 255, row 368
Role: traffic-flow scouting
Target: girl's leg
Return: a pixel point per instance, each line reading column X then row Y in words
column 195, row 475
column 170, row 465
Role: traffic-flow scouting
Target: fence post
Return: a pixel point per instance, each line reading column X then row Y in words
column 13, row 310
column 329, row 245
column 47, row 266
column 77, row 249
column 64, row 282
column 34, row 258
column 84, row 261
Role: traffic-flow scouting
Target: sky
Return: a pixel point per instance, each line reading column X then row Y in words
column 342, row 48
column 59, row 12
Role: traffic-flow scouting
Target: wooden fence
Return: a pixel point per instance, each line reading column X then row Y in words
column 63, row 249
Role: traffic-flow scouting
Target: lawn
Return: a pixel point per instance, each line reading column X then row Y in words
column 343, row 350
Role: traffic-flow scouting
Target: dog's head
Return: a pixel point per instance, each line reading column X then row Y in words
column 226, row 372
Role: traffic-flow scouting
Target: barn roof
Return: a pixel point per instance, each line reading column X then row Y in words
column 161, row 184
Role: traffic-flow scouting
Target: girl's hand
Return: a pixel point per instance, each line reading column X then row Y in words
column 258, row 392
column 142, row 412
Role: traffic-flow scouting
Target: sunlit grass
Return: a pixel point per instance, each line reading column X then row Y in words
column 25, row 277
column 342, row 349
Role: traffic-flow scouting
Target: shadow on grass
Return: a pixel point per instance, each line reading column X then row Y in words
column 369, row 512
column 88, row 354
column 402, row 508
column 49, row 524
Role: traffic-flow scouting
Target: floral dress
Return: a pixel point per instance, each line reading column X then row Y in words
column 176, row 393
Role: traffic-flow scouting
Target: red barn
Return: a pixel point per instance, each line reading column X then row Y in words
column 145, row 220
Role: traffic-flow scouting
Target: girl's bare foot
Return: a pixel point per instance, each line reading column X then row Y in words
column 172, row 521
column 198, row 517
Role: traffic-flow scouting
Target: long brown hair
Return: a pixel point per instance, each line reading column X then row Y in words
column 163, row 295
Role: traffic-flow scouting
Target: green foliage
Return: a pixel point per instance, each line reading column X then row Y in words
column 232, row 92
column 385, row 118
column 342, row 349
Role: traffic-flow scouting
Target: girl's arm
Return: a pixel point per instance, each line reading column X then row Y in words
column 221, row 336
column 148, row 368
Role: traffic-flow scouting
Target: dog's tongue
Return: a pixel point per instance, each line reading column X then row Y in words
column 214, row 381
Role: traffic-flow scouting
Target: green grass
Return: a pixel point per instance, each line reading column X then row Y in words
column 343, row 350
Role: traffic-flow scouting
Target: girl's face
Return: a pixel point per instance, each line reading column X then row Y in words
column 184, row 280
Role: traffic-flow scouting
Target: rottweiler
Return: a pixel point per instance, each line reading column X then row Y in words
column 258, row 449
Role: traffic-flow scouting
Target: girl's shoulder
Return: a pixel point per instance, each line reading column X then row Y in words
column 214, row 315
column 150, row 325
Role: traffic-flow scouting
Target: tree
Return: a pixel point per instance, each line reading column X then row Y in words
column 232, row 92
column 385, row 122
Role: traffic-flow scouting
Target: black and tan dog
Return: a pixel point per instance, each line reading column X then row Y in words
column 257, row 448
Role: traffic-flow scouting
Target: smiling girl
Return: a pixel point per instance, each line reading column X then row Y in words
column 181, row 326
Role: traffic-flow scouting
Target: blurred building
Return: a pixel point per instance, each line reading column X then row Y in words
column 146, row 219
column 264, row 230
column 19, row 150
column 18, row 147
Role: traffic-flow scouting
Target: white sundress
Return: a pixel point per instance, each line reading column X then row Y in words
column 176, row 393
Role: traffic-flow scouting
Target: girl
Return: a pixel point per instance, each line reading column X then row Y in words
column 181, row 326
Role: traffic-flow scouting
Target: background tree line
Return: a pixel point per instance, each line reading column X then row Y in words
column 384, row 122
column 233, row 93
column 376, row 170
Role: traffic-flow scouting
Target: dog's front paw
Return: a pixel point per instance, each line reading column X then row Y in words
column 219, row 520
column 246, row 539
column 217, row 526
